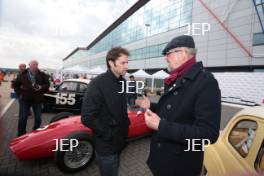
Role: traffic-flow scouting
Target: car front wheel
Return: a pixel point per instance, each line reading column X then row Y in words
column 79, row 157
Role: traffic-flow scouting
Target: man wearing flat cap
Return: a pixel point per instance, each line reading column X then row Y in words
column 187, row 113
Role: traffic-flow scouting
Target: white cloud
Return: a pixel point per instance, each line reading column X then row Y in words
column 48, row 30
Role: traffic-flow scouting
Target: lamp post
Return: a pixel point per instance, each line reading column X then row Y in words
column 147, row 26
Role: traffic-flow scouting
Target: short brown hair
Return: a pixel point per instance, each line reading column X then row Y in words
column 115, row 53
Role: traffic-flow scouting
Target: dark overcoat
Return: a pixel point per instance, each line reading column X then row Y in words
column 189, row 109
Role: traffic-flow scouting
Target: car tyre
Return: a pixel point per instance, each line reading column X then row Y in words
column 77, row 159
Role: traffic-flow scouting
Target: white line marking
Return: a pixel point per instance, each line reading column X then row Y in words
column 7, row 107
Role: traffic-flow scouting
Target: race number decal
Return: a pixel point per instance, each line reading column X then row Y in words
column 64, row 98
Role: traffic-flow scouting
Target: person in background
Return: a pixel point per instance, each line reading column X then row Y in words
column 131, row 94
column 2, row 75
column 1, row 78
column 31, row 85
column 21, row 69
column 2, row 125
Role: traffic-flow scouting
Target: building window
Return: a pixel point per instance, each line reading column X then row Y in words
column 258, row 2
column 147, row 52
column 162, row 16
column 258, row 39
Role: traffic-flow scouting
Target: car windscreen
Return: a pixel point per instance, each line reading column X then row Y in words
column 68, row 86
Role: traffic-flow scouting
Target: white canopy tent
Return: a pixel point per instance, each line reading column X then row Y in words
column 141, row 74
column 158, row 75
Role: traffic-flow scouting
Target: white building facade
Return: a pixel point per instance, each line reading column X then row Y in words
column 228, row 35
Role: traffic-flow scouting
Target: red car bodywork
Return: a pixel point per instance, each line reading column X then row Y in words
column 41, row 142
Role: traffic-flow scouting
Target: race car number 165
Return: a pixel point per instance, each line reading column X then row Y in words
column 64, row 98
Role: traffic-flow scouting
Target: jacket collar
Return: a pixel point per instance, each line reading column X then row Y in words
column 26, row 72
column 190, row 74
column 181, row 70
column 113, row 77
column 193, row 71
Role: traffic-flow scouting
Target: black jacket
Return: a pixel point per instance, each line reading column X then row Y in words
column 23, row 86
column 104, row 110
column 189, row 109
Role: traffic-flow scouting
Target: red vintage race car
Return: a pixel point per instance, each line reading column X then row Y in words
column 66, row 129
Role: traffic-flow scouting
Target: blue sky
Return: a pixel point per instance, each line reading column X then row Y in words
column 48, row 30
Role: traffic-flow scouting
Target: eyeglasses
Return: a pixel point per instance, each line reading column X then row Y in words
column 175, row 51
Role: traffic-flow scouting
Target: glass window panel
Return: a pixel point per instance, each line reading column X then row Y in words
column 161, row 15
column 258, row 39
column 68, row 86
column 242, row 136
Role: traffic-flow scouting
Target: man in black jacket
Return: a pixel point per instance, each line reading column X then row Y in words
column 104, row 110
column 186, row 116
column 30, row 86
column 21, row 69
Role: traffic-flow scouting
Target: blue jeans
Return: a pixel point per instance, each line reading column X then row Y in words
column 108, row 164
column 131, row 101
column 23, row 116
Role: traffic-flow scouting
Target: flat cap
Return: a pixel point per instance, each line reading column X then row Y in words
column 180, row 41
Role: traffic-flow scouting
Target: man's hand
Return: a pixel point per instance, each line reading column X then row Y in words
column 144, row 103
column 152, row 119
